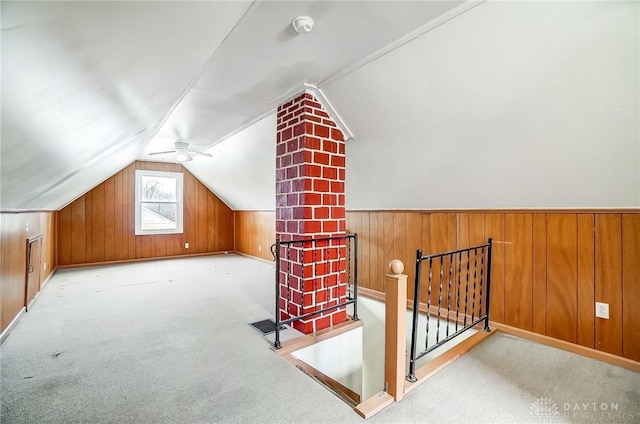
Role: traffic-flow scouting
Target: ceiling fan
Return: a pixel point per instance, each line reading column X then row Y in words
column 183, row 153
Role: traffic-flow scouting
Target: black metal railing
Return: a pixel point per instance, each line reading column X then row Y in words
column 459, row 300
column 306, row 261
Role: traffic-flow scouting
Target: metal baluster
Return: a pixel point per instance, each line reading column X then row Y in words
column 481, row 281
column 276, row 343
column 302, row 279
column 458, row 289
column 355, row 278
column 449, row 291
column 466, row 292
column 349, row 279
column 324, row 258
column 288, row 247
column 426, row 343
column 488, row 290
column 475, row 277
column 314, row 247
column 441, row 274
column 414, row 328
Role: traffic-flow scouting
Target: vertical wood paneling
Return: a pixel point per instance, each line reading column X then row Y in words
column 544, row 266
column 442, row 231
column 254, row 230
column 97, row 224
column 365, row 233
column 65, row 223
column 580, row 268
column 382, row 263
column 437, row 234
column 539, row 273
column 586, row 285
column 519, row 271
column 399, row 237
column 562, row 277
column 88, row 219
column 212, row 216
column 426, row 247
column 13, row 272
column 387, row 238
column 78, row 236
column 374, row 272
column 190, row 212
column 127, row 203
column 225, row 234
column 117, row 217
column 414, row 242
column 100, row 226
column 355, row 228
column 131, row 224
column 494, row 228
column 109, row 220
column 608, row 279
column 631, row 286
column 470, row 230
column 202, row 211
column 13, row 256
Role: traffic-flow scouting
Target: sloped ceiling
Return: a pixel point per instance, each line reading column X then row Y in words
column 509, row 105
column 89, row 87
column 452, row 105
column 86, row 84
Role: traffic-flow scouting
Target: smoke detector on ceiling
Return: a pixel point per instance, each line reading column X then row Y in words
column 302, row 24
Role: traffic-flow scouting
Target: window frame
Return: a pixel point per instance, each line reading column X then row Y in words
column 179, row 177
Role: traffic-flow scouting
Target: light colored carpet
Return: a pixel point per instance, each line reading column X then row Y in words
column 169, row 342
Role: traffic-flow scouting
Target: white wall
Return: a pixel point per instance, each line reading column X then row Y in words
column 512, row 104
column 339, row 358
column 242, row 170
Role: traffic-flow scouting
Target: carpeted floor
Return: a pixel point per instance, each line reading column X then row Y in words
column 169, row 342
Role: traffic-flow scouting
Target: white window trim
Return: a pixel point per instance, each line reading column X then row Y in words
column 179, row 200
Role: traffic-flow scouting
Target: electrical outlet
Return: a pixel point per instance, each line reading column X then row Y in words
column 186, row 245
column 259, row 248
column 602, row 310
column 44, row 266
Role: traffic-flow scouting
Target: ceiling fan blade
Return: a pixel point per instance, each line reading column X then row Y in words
column 162, row 153
column 194, row 152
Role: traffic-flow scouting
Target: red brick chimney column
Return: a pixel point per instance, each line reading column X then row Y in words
column 310, row 175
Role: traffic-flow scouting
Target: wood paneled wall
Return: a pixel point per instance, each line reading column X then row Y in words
column 549, row 268
column 100, row 227
column 13, row 257
column 255, row 233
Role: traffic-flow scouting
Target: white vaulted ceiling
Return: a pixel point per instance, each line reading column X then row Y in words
column 86, row 84
column 493, row 104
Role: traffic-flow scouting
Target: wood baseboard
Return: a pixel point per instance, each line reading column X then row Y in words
column 246, row 255
column 569, row 347
column 11, row 325
column 159, row 258
column 371, row 294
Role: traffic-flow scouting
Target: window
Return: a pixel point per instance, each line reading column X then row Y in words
column 158, row 202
